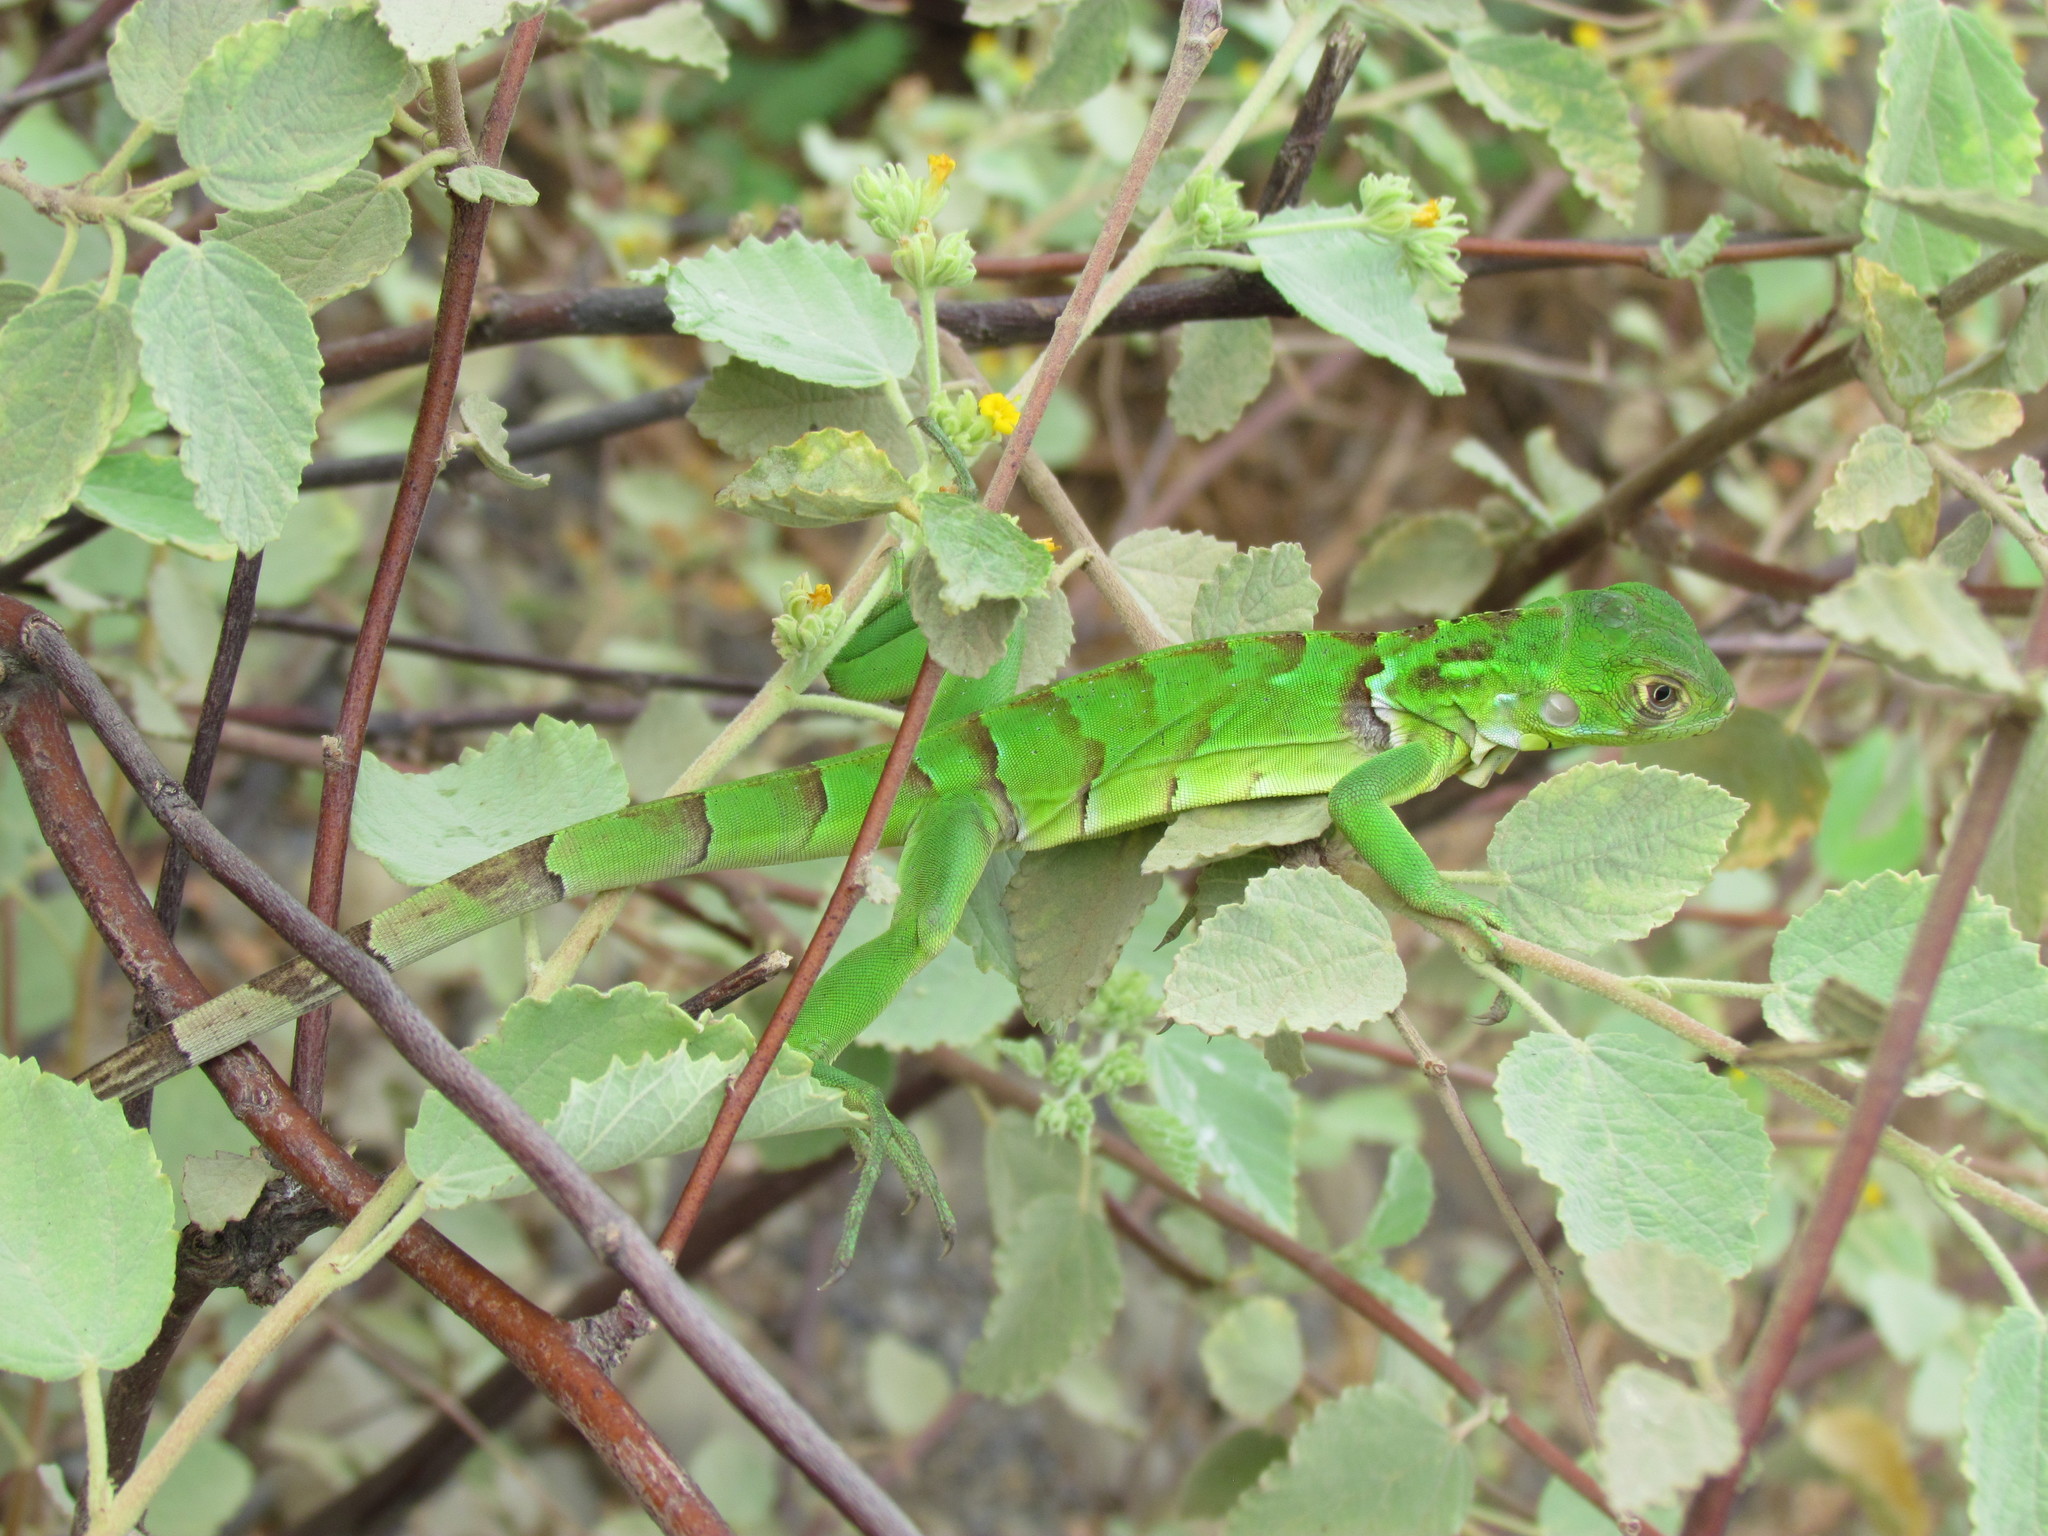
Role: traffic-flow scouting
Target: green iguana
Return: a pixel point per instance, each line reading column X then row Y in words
column 1368, row 719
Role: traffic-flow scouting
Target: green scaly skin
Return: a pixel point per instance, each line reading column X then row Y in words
column 1370, row 720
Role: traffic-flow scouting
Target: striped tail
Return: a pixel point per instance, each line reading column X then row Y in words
column 775, row 818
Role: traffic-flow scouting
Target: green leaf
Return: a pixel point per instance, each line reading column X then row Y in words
column 1567, row 95
column 1993, row 977
column 964, row 641
column 799, row 306
column 1252, row 1357
column 906, row 1386
column 1721, row 145
column 1430, row 566
column 1777, row 774
column 286, row 107
column 1659, row 1437
column 1640, row 1146
column 747, row 410
column 440, row 29
column 1476, row 458
column 1970, row 418
column 1352, row 285
column 1606, row 852
column 1240, row 1110
column 1675, row 1302
column 2024, row 366
column 1905, row 336
column 206, row 1489
column 1222, row 368
column 1566, row 489
column 1071, row 909
column 1088, row 53
column 67, row 370
column 1058, row 1289
column 2001, row 221
column 474, row 183
column 2005, row 1437
column 1914, row 615
column 1019, row 1165
column 678, row 33
column 1223, row 1472
column 222, row 1186
column 1255, row 592
column 1303, row 951
column 2015, row 872
column 2027, row 478
column 1048, row 639
column 615, row 1077
column 424, row 827
column 980, row 554
column 1222, row 831
column 1165, row 1138
column 1167, row 568
column 230, row 352
column 1728, row 306
column 1697, row 254
column 822, row 479
column 483, row 420
column 328, row 243
column 14, row 298
column 1953, row 114
column 1402, row 1209
column 1367, row 1460
column 1882, row 472
column 86, row 1241
column 159, row 43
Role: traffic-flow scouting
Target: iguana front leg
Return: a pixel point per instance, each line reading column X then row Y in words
column 1362, row 806
column 947, row 848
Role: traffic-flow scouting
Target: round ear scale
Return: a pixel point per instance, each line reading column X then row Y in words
column 1560, row 709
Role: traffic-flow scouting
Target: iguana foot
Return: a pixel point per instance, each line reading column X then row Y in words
column 883, row 1139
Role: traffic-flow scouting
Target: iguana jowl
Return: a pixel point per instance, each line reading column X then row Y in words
column 1369, row 719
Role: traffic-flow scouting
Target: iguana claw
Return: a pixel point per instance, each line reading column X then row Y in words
column 883, row 1139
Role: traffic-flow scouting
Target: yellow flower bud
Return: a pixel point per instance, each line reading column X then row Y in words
column 821, row 594
column 997, row 410
column 1589, row 35
column 941, row 167
column 1426, row 216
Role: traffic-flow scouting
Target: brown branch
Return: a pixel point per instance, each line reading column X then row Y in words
column 603, row 1225
column 1296, row 157
column 408, row 510
column 92, row 861
column 1341, row 1288
column 985, row 323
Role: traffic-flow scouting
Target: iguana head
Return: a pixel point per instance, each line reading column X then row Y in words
column 1628, row 666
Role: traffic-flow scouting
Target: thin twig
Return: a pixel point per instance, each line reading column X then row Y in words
column 408, row 510
column 1437, row 1072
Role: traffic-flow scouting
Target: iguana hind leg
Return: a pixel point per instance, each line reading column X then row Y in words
column 943, row 856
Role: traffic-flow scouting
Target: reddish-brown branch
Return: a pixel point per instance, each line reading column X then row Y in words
column 739, row 1093
column 539, row 1345
column 65, row 52
column 408, row 510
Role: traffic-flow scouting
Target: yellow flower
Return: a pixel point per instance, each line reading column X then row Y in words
column 1248, row 72
column 1589, row 35
column 1873, row 1196
column 1000, row 413
column 1051, row 546
column 941, row 168
column 1426, row 216
column 821, row 595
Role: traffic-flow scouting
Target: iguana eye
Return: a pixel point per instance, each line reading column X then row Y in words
column 1659, row 697
column 1560, row 709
